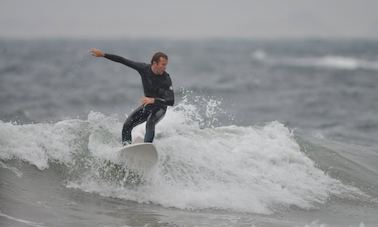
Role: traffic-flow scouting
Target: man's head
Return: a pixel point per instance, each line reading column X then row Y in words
column 159, row 62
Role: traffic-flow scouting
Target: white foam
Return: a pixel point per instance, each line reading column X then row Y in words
column 316, row 223
column 35, row 143
column 251, row 169
column 327, row 61
column 259, row 55
column 42, row 143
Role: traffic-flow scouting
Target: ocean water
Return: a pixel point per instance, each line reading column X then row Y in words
column 263, row 133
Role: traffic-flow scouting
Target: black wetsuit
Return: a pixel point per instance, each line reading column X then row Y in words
column 154, row 86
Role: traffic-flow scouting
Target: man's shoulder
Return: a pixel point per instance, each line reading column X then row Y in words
column 145, row 65
column 144, row 68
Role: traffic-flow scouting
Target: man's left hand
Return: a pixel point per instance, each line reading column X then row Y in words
column 147, row 100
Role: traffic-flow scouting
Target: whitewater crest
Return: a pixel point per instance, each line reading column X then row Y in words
column 326, row 61
column 202, row 164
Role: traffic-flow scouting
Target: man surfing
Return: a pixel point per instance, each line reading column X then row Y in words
column 158, row 93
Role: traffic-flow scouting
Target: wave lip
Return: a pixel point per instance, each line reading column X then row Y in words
column 327, row 61
column 337, row 62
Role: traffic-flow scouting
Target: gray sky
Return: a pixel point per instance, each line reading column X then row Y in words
column 189, row 19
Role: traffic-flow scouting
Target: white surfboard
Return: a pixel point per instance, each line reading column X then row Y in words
column 139, row 156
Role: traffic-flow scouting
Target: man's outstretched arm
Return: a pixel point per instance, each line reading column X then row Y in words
column 135, row 65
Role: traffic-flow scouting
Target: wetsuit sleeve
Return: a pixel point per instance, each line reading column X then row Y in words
column 168, row 96
column 132, row 64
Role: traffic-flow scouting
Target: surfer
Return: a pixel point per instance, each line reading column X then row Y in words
column 158, row 93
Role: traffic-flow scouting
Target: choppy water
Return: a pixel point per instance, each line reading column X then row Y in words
column 278, row 133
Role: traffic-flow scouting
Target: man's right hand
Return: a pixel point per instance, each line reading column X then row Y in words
column 97, row 53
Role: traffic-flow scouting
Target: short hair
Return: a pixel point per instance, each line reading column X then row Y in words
column 157, row 56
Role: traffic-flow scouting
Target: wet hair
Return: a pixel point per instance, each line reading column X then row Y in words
column 157, row 56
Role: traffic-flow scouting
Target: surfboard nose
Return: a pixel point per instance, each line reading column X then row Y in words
column 141, row 156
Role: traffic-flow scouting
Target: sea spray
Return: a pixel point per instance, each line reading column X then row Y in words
column 257, row 169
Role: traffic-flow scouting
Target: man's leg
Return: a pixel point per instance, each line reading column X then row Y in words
column 137, row 117
column 153, row 118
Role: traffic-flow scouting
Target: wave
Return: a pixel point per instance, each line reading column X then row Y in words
column 327, row 61
column 259, row 169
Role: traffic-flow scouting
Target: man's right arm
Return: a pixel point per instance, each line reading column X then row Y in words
column 135, row 65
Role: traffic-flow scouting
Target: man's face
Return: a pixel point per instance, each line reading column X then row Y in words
column 161, row 66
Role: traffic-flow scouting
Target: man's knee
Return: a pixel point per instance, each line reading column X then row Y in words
column 154, row 119
column 128, row 125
